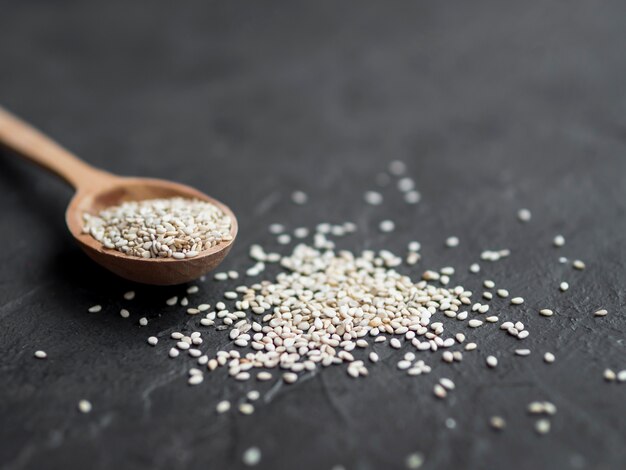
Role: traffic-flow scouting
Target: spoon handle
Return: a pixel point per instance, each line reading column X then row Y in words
column 33, row 145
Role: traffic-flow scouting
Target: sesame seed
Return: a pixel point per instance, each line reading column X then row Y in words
column 373, row 357
column 284, row 239
column 218, row 277
column 524, row 215
column 471, row 346
column 522, row 352
column 452, row 242
column 517, row 300
column 223, row 406
column 94, row 309
column 193, row 289
column 159, row 228
column 489, row 284
column 492, row 361
column 497, row 422
column 475, row 268
column 195, row 379
column 153, row 340
column 263, row 376
column 564, row 286
column 413, row 461
column 474, row 323
column 143, row 321
column 373, row 198
column 40, row 354
column 439, row 391
column 412, row 197
column 578, row 264
column 549, row 357
column 84, row 406
column 397, row 167
column 124, row 313
column 290, row 377
column 447, row 383
column 600, row 313
column 172, row 301
column 251, row 456
column 299, row 197
column 276, row 228
column 387, row 226
column 130, row 295
column 621, row 375
column 503, row 293
column 174, row 353
column 558, row 241
column 406, row 184
column 542, row 426
column 609, row 375
column 546, row 312
column 246, row 408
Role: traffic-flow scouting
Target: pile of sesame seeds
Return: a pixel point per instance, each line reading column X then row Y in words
column 329, row 307
column 160, row 228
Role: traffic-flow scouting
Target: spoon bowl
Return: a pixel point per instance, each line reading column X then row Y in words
column 96, row 190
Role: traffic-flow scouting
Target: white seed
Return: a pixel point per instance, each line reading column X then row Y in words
column 412, row 197
column 542, row 426
column 474, row 323
column 395, row 343
column 564, row 286
column 220, row 276
column 40, row 354
column 439, row 391
column 172, row 301
column 373, row 198
column 488, row 284
column 143, row 321
column 223, row 406
column 299, row 197
column 290, row 377
column 471, row 347
column 397, row 167
column 130, row 295
column 549, row 357
column 517, row 300
column 609, row 375
column 84, row 406
column 413, row 461
column 503, row 293
column 387, row 226
column 251, row 456
column 497, row 422
column 192, row 289
column 447, row 383
column 414, row 246
column 263, row 376
column 600, row 313
column 246, row 408
column 174, row 352
column 373, row 357
column 524, row 215
column 153, row 340
column 195, row 379
column 492, row 361
column 522, row 352
column 276, row 228
column 124, row 313
column 452, row 242
column 621, row 375
column 94, row 309
column 546, row 312
column 474, row 268
column 578, row 264
column 284, row 239
column 559, row 241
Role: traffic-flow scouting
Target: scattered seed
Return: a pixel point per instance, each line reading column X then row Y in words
column 223, row 406
column 609, row 375
column 578, row 264
column 84, row 406
column 600, row 313
column 387, row 226
column 492, row 361
column 549, row 357
column 524, row 215
column 452, row 242
column 94, row 309
column 621, row 376
column 143, row 321
column 246, row 408
column 413, row 461
column 439, row 391
column 251, row 456
column 373, row 198
column 546, row 312
column 542, row 426
column 517, row 300
column 40, row 354
column 124, row 313
column 559, row 241
column 153, row 340
column 130, row 295
column 299, row 197
column 522, row 352
column 497, row 422
column 564, row 286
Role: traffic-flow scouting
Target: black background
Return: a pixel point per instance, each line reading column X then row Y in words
column 493, row 105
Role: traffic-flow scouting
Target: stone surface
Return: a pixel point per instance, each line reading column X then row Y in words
column 494, row 106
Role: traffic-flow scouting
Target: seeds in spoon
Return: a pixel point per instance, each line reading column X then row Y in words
column 159, row 228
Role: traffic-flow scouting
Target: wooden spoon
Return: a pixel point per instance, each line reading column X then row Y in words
column 97, row 189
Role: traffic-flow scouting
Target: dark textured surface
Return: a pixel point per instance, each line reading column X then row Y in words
column 493, row 107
